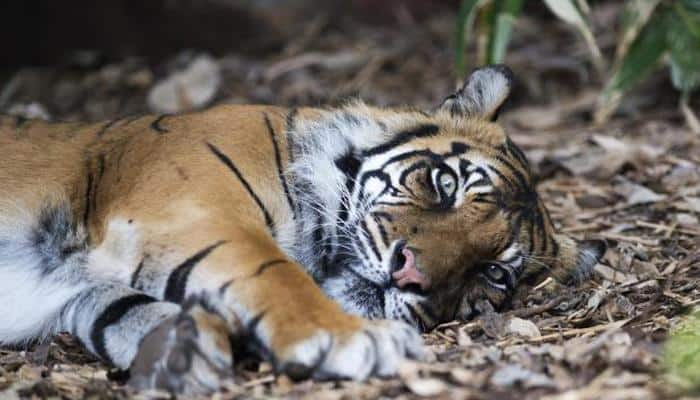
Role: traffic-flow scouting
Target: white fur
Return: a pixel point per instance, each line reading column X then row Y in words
column 29, row 303
column 122, row 343
column 118, row 254
column 486, row 89
column 320, row 141
column 380, row 347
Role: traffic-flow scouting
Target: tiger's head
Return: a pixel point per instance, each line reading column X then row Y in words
column 437, row 215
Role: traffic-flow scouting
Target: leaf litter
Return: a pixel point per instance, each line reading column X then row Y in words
column 634, row 182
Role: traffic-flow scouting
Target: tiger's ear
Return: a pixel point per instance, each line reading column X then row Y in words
column 484, row 92
column 577, row 258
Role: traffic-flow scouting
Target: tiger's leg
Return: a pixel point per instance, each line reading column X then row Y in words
column 186, row 352
column 308, row 335
column 304, row 333
column 51, row 281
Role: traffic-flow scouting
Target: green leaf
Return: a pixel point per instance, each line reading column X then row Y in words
column 685, row 52
column 635, row 15
column 691, row 5
column 568, row 12
column 682, row 354
column 465, row 22
column 504, row 15
column 642, row 57
column 689, row 14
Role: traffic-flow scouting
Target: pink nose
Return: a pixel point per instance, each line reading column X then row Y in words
column 409, row 273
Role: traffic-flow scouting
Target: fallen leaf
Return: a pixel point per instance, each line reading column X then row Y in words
column 689, row 204
column 463, row 376
column 635, row 193
column 523, row 327
column 513, row 374
column 191, row 88
column 463, row 338
column 426, row 387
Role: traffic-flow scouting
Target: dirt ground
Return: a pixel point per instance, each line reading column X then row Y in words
column 634, row 181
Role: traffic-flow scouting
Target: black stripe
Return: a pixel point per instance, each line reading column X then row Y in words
column 531, row 234
column 254, row 322
column 318, row 234
column 385, row 215
column 382, row 230
column 425, row 130
column 223, row 288
column 518, row 153
column 522, row 180
column 155, row 125
column 349, row 165
column 106, row 127
column 278, row 161
column 406, row 172
column 484, row 181
column 100, row 165
column 508, row 182
column 227, row 161
column 399, row 204
column 289, row 127
column 378, row 174
column 290, row 122
column 136, row 273
column 268, row 264
column 363, row 254
column 88, row 199
column 414, row 153
column 369, row 238
column 459, row 148
column 133, row 118
column 416, row 316
column 96, row 182
column 111, row 315
column 177, row 281
column 20, row 121
column 483, row 198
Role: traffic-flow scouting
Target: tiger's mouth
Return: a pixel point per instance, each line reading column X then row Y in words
column 395, row 288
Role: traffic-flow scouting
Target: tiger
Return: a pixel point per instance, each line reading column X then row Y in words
column 323, row 240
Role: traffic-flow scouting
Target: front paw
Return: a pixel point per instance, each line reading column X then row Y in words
column 375, row 349
column 187, row 354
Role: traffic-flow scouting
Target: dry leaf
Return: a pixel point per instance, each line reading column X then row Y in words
column 463, row 338
column 614, row 275
column 463, row 376
column 523, row 327
column 426, row 387
column 513, row 374
column 191, row 88
column 635, row 193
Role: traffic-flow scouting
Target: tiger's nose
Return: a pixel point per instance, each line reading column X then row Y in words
column 405, row 270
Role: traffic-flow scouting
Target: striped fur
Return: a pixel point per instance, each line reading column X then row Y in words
column 156, row 239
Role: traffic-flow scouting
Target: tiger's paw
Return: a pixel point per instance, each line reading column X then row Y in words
column 187, row 354
column 377, row 349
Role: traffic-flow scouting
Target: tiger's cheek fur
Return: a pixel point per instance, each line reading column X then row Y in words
column 479, row 233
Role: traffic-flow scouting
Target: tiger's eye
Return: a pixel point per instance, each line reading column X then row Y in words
column 448, row 184
column 495, row 272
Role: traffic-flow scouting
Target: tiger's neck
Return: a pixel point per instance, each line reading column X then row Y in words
column 325, row 156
